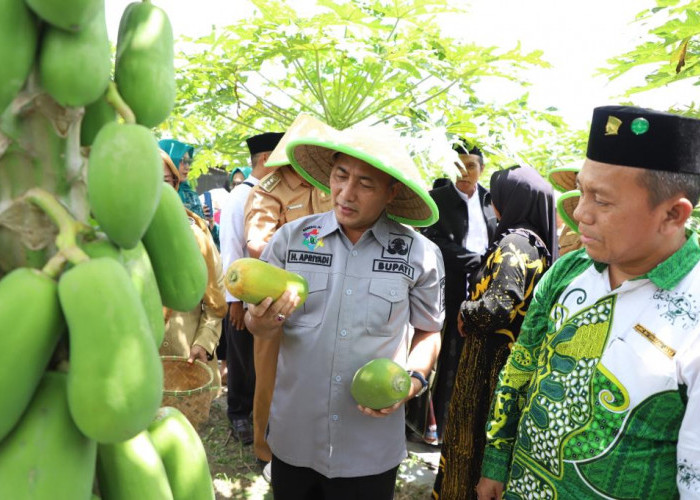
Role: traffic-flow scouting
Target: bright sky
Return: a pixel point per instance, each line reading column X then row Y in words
column 577, row 37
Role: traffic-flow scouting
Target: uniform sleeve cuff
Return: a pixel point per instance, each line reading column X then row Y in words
column 207, row 339
column 496, row 464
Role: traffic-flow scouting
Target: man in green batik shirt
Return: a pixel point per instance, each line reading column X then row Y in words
column 600, row 397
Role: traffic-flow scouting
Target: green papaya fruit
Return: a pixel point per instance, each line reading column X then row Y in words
column 380, row 383
column 74, row 67
column 128, row 469
column 97, row 114
column 125, row 179
column 140, row 270
column 70, row 15
column 102, row 247
column 175, row 255
column 144, row 68
column 183, row 455
column 115, row 382
column 138, row 265
column 18, row 41
column 46, row 456
column 33, row 325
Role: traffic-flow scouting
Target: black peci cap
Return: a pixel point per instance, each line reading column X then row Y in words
column 263, row 142
column 643, row 138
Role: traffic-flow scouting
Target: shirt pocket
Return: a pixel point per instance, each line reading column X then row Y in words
column 387, row 304
column 641, row 366
column 311, row 311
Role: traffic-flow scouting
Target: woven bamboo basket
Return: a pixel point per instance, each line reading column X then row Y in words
column 188, row 387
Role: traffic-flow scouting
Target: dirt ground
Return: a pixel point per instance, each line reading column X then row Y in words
column 236, row 475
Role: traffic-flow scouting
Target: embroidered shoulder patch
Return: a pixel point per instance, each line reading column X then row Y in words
column 270, row 181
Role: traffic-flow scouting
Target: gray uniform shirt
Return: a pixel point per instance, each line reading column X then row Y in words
column 363, row 300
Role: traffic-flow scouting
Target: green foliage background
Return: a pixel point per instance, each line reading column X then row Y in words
column 387, row 61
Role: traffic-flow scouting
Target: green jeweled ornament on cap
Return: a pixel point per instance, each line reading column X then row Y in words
column 639, row 126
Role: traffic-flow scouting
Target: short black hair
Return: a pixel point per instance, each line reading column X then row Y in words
column 477, row 152
column 663, row 185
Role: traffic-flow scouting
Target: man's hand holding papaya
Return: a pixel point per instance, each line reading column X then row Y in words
column 266, row 319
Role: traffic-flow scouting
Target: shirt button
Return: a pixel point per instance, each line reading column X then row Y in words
column 338, row 378
column 335, row 418
column 393, row 292
column 343, row 333
column 348, row 292
column 354, row 253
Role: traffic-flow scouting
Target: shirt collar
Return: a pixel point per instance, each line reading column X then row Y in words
column 381, row 228
column 328, row 223
column 670, row 272
column 293, row 179
column 465, row 196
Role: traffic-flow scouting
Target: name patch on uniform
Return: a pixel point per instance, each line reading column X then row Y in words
column 391, row 266
column 317, row 259
column 656, row 341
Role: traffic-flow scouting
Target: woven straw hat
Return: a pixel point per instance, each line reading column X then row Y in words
column 563, row 179
column 566, row 204
column 302, row 126
column 312, row 157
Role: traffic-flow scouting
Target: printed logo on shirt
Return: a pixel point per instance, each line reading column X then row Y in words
column 391, row 266
column 677, row 307
column 311, row 239
column 316, row 259
column 399, row 247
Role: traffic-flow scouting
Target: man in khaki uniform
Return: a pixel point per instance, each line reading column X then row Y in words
column 280, row 197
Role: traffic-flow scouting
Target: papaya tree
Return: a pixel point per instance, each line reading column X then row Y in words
column 351, row 63
column 669, row 52
column 81, row 298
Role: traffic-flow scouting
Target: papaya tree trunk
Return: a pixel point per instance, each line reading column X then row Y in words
column 39, row 147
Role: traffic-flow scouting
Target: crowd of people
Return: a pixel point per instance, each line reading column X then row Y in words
column 548, row 325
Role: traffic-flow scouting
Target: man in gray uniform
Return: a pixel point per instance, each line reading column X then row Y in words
column 375, row 290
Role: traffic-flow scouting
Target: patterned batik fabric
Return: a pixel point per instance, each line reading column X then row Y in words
column 492, row 318
column 605, row 401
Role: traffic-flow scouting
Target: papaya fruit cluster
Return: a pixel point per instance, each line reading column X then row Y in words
column 81, row 380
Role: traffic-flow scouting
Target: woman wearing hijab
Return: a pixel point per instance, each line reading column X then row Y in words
column 238, row 175
column 523, row 247
column 181, row 154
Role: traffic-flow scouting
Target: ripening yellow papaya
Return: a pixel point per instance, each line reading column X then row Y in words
column 252, row 280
